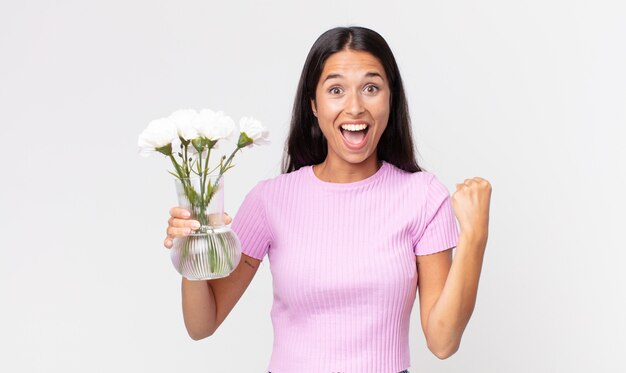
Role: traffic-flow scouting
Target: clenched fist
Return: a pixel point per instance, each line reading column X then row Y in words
column 471, row 207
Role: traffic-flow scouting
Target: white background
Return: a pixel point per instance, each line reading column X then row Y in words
column 528, row 94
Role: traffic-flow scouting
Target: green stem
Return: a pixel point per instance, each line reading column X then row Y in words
column 212, row 252
column 206, row 166
column 225, row 166
column 214, row 168
column 179, row 171
column 186, row 158
column 200, row 204
column 230, row 159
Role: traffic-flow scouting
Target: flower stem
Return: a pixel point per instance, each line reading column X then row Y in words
column 200, row 204
column 186, row 162
column 206, row 167
column 225, row 166
column 179, row 171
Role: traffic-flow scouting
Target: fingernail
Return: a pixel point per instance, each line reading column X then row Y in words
column 195, row 225
column 186, row 214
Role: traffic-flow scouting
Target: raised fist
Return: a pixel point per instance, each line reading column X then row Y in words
column 471, row 207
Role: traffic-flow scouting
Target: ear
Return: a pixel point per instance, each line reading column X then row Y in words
column 313, row 107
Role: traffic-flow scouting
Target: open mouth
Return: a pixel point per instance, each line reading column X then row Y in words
column 354, row 133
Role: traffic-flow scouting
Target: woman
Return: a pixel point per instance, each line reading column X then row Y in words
column 352, row 227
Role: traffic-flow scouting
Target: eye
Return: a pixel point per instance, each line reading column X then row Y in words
column 371, row 88
column 335, row 91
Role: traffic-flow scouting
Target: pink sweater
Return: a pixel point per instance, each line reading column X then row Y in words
column 342, row 258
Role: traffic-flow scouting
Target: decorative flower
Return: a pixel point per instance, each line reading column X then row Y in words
column 184, row 120
column 214, row 126
column 252, row 133
column 157, row 137
column 202, row 130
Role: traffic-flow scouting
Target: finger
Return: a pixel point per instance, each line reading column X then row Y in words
column 217, row 219
column 183, row 223
column 178, row 232
column 485, row 183
column 478, row 182
column 179, row 212
column 169, row 241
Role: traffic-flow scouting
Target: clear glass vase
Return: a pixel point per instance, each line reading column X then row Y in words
column 213, row 250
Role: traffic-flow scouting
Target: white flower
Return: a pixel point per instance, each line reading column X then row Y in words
column 157, row 136
column 184, row 120
column 252, row 132
column 214, row 125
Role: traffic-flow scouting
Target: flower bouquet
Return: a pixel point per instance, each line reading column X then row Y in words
column 213, row 250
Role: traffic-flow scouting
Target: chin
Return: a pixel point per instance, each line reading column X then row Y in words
column 357, row 159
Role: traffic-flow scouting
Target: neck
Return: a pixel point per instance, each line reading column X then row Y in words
column 345, row 172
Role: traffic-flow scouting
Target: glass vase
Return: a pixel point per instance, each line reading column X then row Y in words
column 213, row 250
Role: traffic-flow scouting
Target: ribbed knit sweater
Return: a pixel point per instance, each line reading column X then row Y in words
column 343, row 263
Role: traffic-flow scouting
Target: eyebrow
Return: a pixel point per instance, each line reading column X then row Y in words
column 367, row 75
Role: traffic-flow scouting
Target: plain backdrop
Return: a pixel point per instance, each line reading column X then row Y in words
column 527, row 94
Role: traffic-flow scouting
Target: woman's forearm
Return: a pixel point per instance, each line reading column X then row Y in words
column 451, row 312
column 199, row 308
column 206, row 304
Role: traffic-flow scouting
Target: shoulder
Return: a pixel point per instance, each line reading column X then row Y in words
column 415, row 179
column 423, row 185
column 281, row 181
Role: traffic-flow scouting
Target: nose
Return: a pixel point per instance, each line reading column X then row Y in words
column 354, row 106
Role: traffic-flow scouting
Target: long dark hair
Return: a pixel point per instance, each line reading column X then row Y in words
column 306, row 144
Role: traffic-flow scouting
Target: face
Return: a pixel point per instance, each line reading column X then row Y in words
column 352, row 105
